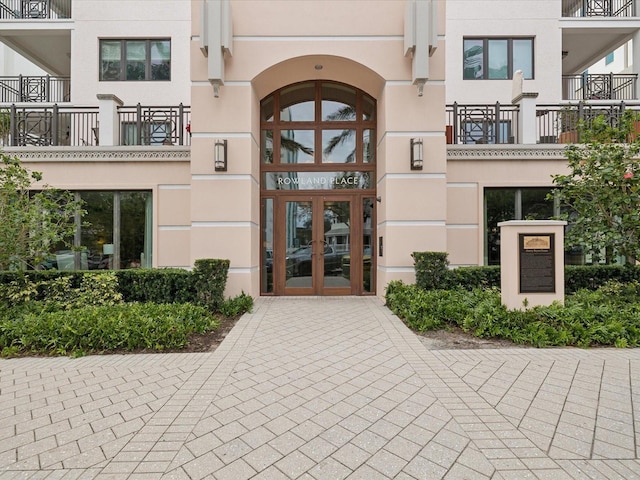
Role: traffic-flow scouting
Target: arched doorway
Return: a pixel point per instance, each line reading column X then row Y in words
column 317, row 191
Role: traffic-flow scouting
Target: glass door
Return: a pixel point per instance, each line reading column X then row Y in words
column 297, row 252
column 312, row 243
column 335, row 238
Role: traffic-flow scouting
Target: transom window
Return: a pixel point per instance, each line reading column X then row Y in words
column 497, row 58
column 135, row 60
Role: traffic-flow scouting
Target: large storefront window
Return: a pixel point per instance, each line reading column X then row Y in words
column 115, row 233
column 502, row 204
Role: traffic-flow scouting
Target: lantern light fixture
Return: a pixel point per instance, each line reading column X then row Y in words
column 416, row 154
column 220, row 156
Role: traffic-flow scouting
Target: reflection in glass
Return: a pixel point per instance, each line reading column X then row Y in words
column 135, row 229
column 97, row 236
column 368, row 108
column 473, row 59
column 338, row 103
column 337, row 242
column 297, row 103
column 297, row 146
column 298, row 236
column 502, row 204
column 499, row 207
column 316, row 180
column 266, row 109
column 136, row 53
column 338, row 146
column 266, row 279
column 266, row 146
column 110, row 59
column 367, row 244
column 498, row 59
column 114, row 233
column 160, row 59
column 369, row 146
column 523, row 56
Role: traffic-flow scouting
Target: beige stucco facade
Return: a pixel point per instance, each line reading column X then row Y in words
column 356, row 43
column 224, row 63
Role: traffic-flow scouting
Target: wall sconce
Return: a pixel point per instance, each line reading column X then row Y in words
column 416, row 154
column 220, row 157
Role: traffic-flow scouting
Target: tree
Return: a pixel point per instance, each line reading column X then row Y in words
column 33, row 222
column 600, row 195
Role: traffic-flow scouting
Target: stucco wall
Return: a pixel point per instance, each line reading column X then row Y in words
column 278, row 43
column 121, row 19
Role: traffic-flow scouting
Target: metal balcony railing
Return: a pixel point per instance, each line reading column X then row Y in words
column 141, row 125
column 78, row 126
column 560, row 123
column 23, row 88
column 34, row 9
column 474, row 124
column 49, row 125
column 599, row 8
column 606, row 86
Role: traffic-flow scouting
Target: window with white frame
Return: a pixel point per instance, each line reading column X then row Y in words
column 135, row 59
column 497, row 58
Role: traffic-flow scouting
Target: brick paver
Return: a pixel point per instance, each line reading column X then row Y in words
column 323, row 388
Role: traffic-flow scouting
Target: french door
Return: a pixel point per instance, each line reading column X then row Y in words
column 317, row 190
column 318, row 247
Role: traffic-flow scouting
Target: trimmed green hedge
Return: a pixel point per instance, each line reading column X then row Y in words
column 125, row 326
column 432, row 272
column 203, row 286
column 609, row 315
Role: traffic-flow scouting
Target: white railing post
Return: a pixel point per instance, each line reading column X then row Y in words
column 526, row 101
column 108, row 121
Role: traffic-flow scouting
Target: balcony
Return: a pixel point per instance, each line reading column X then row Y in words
column 599, row 87
column 560, row 123
column 482, row 124
column 540, row 124
column 25, row 89
column 598, row 8
column 55, row 125
column 35, row 9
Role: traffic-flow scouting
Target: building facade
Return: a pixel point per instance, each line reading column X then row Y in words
column 314, row 144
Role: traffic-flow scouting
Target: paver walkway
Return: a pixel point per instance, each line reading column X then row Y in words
column 325, row 389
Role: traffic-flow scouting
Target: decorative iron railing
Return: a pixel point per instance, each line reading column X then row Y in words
column 469, row 124
column 34, row 9
column 599, row 8
column 57, row 125
column 23, row 88
column 142, row 125
column 49, row 125
column 599, row 86
column 560, row 123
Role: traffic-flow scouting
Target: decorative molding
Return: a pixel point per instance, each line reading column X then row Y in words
column 506, row 152
column 101, row 154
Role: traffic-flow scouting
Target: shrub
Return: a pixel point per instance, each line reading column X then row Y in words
column 431, row 269
column 104, row 328
column 158, row 285
column 210, row 276
column 607, row 316
column 237, row 305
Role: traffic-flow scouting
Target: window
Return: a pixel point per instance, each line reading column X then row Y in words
column 149, row 133
column 502, row 204
column 484, row 131
column 497, row 58
column 609, row 58
column 115, row 233
column 135, row 60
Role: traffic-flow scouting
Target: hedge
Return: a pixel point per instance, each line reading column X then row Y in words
column 203, row 286
column 433, row 272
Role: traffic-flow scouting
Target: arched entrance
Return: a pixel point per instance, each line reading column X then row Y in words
column 317, row 191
